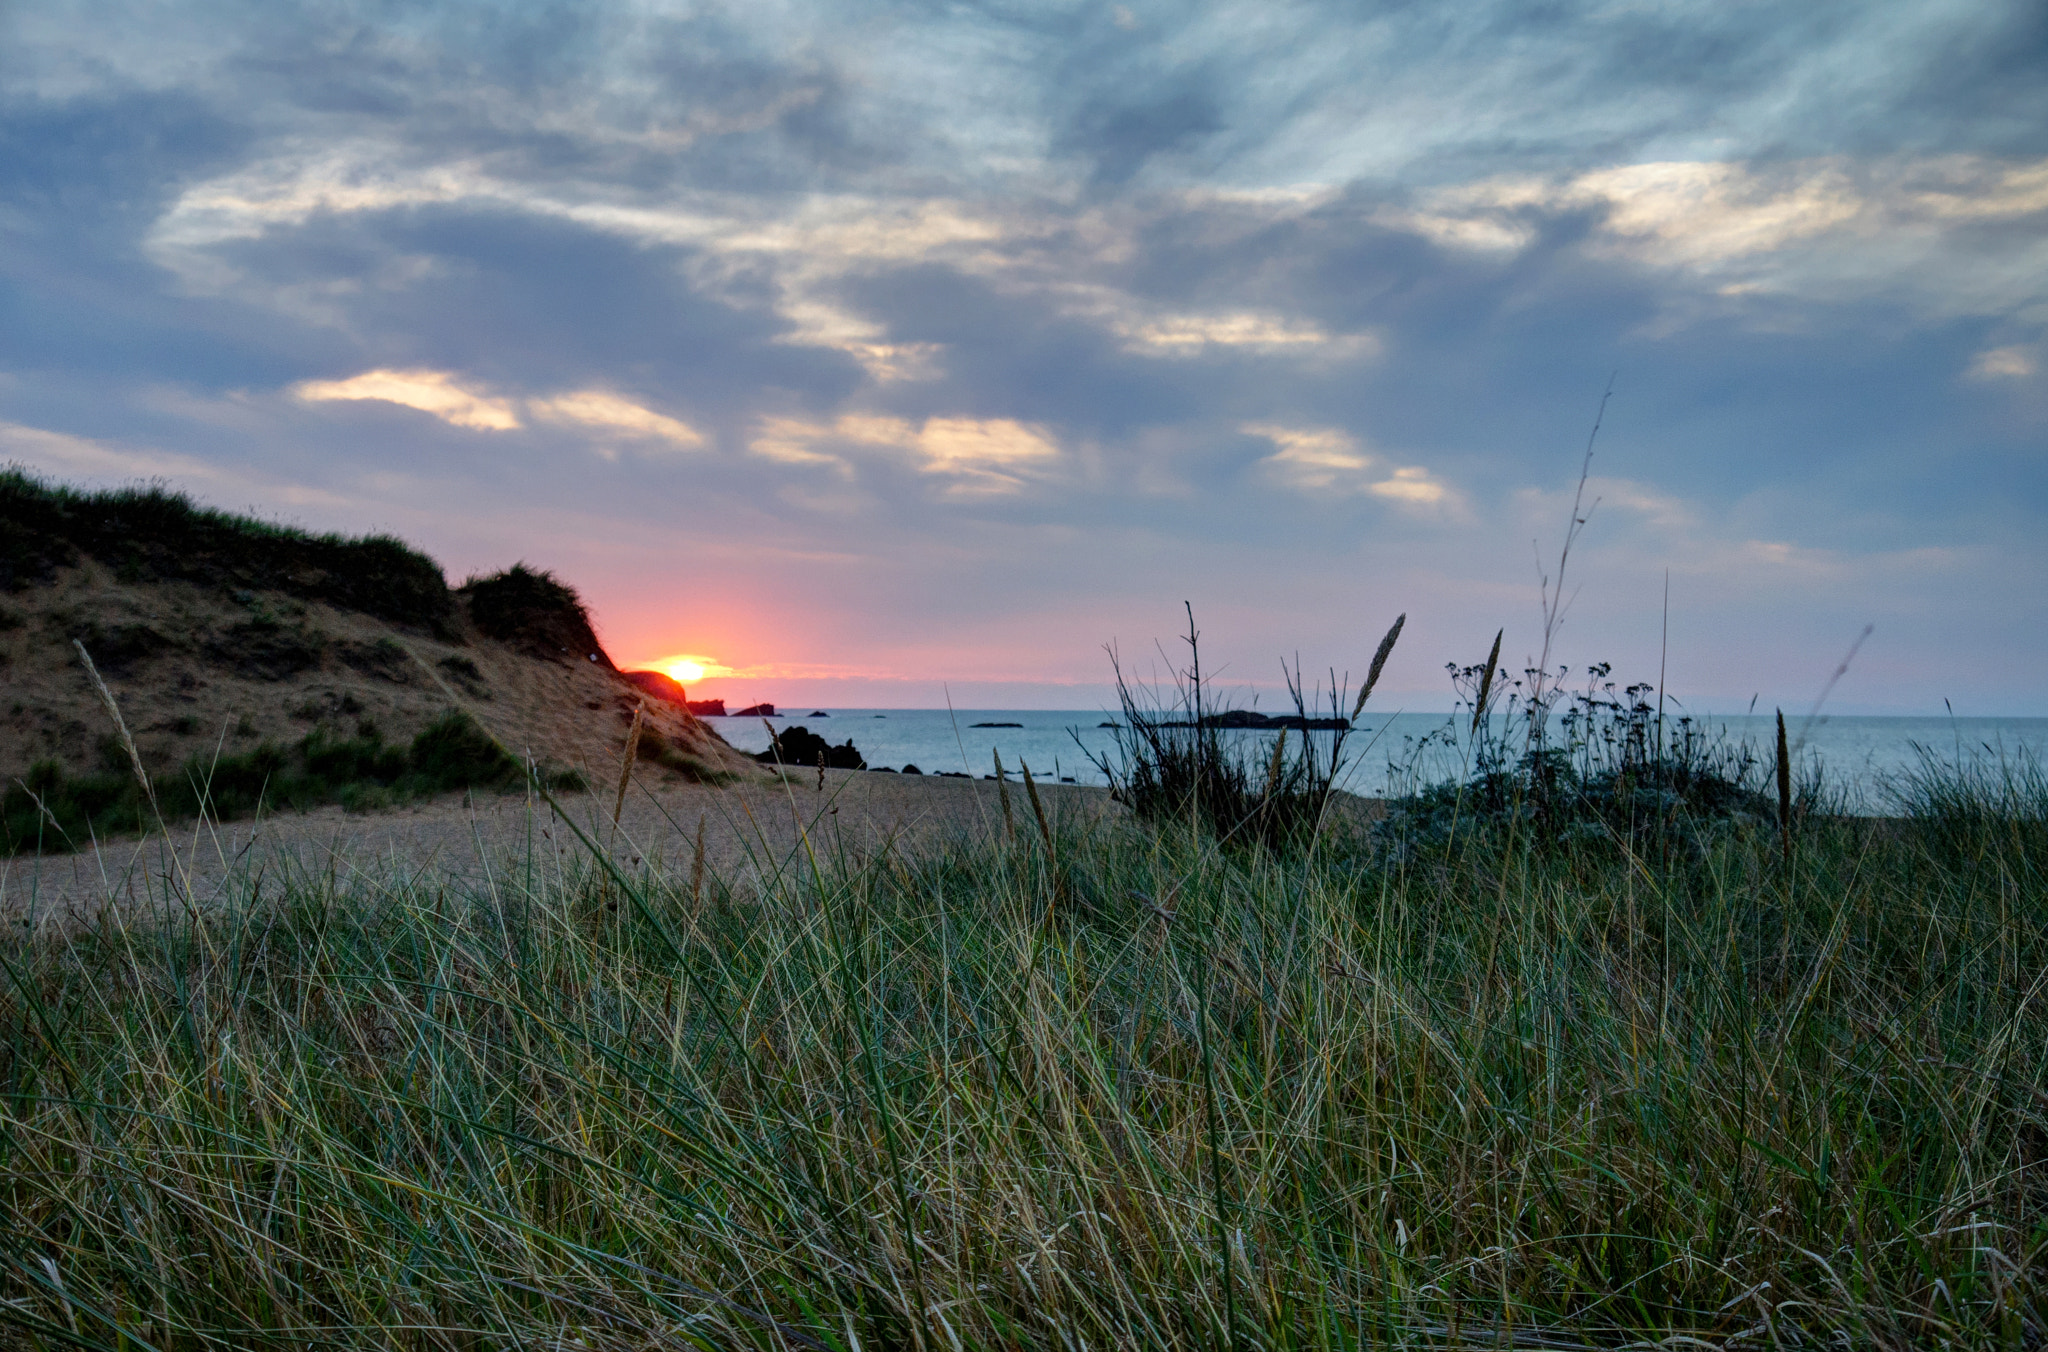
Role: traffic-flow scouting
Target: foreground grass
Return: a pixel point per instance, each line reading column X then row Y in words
column 1127, row 1090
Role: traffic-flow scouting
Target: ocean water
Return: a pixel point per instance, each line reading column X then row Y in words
column 1859, row 755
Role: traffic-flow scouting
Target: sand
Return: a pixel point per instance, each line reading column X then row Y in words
column 751, row 831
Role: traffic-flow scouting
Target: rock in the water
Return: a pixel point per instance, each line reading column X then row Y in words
column 800, row 746
column 756, row 711
column 995, row 725
column 912, row 770
column 707, row 708
column 1253, row 720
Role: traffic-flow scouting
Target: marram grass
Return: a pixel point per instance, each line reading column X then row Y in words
column 1486, row 1098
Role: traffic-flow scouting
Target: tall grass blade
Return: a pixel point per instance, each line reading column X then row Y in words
column 1379, row 662
column 1480, row 705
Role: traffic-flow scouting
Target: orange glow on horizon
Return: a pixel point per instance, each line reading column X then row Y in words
column 688, row 668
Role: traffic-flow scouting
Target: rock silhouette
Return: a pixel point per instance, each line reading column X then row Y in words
column 800, row 746
column 1247, row 718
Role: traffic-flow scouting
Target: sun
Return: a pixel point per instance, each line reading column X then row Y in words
column 687, row 673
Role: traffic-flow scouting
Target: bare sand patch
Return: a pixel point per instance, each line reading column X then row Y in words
column 752, row 831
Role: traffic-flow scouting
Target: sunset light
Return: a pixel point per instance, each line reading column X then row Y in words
column 686, row 672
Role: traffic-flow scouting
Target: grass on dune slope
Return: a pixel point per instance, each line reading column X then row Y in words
column 1124, row 1091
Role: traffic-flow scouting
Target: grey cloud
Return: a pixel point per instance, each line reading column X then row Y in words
column 553, row 199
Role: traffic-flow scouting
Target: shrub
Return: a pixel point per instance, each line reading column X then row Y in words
column 1526, row 758
column 535, row 611
column 454, row 753
column 1178, row 755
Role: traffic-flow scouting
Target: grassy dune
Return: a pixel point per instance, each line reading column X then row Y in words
column 1105, row 1086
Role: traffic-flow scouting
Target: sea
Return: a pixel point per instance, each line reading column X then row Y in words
column 1862, row 758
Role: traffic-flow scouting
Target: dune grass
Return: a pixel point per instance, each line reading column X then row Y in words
column 52, row 811
column 152, row 534
column 1107, row 1086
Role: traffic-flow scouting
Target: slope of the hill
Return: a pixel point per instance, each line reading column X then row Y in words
column 219, row 635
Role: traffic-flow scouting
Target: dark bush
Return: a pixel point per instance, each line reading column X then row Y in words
column 536, row 612
column 1598, row 768
column 454, row 753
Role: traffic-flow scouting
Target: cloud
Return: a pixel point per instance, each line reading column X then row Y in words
column 463, row 404
column 792, row 441
column 983, row 455
column 1404, row 245
column 802, row 254
column 1312, row 458
column 1329, row 460
column 1410, row 484
column 1706, row 214
column 986, row 455
column 438, row 393
column 609, row 412
column 2003, row 363
column 1191, row 335
column 1953, row 234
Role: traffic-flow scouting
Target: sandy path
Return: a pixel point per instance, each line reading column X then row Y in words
column 749, row 831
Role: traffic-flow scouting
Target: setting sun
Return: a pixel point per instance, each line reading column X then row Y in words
column 686, row 672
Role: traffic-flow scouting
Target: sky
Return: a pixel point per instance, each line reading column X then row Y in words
column 882, row 354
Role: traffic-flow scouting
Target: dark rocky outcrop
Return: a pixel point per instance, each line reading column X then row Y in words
column 707, row 708
column 756, row 711
column 801, row 746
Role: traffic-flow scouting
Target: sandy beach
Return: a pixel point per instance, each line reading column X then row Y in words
column 751, row 831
